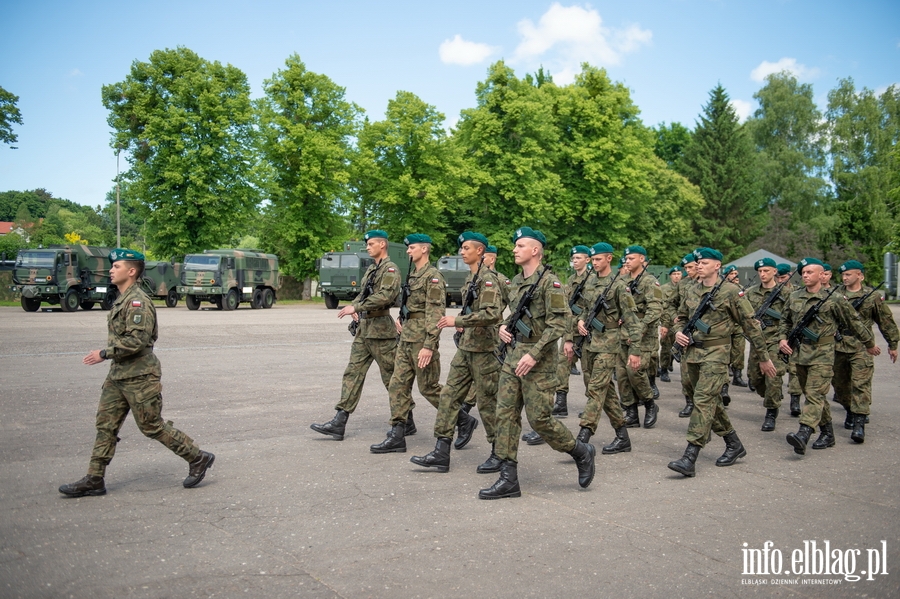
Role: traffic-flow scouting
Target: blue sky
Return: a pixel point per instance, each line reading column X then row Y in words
column 670, row 53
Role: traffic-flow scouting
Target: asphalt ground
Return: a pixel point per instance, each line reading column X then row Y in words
column 286, row 512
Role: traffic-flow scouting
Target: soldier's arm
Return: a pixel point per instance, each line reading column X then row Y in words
column 742, row 312
column 682, row 313
column 885, row 320
column 139, row 322
column 630, row 320
column 787, row 320
column 435, row 308
column 851, row 320
column 386, row 292
column 556, row 306
column 490, row 306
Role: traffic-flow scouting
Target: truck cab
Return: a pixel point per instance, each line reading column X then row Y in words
column 68, row 276
column 227, row 278
column 454, row 271
column 341, row 273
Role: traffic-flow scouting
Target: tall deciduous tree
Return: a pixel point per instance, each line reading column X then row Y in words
column 671, row 140
column 306, row 138
column 9, row 115
column 186, row 124
column 721, row 161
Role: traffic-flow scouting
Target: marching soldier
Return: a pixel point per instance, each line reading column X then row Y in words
column 826, row 276
column 784, row 273
column 814, row 356
column 736, row 363
column 580, row 256
column 706, row 357
column 376, row 337
column 667, row 320
column 666, row 340
column 417, row 355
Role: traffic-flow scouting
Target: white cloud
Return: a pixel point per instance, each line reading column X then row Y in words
column 743, row 109
column 74, row 73
column 464, row 52
column 790, row 65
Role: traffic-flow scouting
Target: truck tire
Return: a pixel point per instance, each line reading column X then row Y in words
column 111, row 296
column 87, row 305
column 231, row 300
column 268, row 298
column 71, row 300
column 172, row 298
column 31, row 304
column 256, row 299
column 192, row 302
column 331, row 302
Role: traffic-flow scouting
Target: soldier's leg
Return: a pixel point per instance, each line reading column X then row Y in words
column 355, row 375
column 639, row 379
column 596, row 389
column 384, row 352
column 562, row 370
column 509, row 414
column 537, row 396
column 622, row 381
column 144, row 395
column 862, row 371
column 815, row 380
column 428, row 379
column 794, row 387
column 487, row 376
column 111, row 413
column 608, row 398
column 471, row 400
column 773, row 387
column 756, row 378
column 842, row 379
column 459, row 380
column 707, row 379
column 400, row 387
column 587, row 362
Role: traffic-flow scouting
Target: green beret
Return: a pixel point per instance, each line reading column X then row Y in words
column 827, row 267
column 622, row 262
column 125, row 254
column 580, row 249
column 676, row 269
column 416, row 238
column 635, row 249
column 471, row 236
column 375, row 234
column 765, row 262
column 708, row 253
column 531, row 233
column 491, row 249
column 688, row 259
column 784, row 269
column 729, row 268
column 602, row 248
column 852, row 265
column 810, row 262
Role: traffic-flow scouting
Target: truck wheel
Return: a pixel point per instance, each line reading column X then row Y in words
column 231, row 300
column 70, row 302
column 172, row 298
column 30, row 304
column 331, row 301
column 192, row 302
column 256, row 299
column 111, row 297
column 268, row 299
column 87, row 305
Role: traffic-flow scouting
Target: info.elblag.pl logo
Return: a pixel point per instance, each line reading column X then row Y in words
column 814, row 559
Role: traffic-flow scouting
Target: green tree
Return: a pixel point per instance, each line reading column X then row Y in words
column 9, row 115
column 186, row 124
column 721, row 161
column 306, row 141
column 670, row 143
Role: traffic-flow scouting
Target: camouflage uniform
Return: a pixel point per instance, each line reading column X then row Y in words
column 814, row 361
column 426, row 307
column 634, row 385
column 376, row 338
column 793, row 381
column 685, row 286
column 504, row 285
column 133, row 383
column 534, row 391
column 474, row 365
column 665, row 345
column 707, row 366
column 853, row 366
column 768, row 389
column 565, row 366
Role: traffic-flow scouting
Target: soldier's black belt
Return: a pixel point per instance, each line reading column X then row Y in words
column 144, row 352
column 415, row 315
column 707, row 343
column 375, row 313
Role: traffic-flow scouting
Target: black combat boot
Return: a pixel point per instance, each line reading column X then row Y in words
column 826, row 437
column 395, row 442
column 574, row 370
column 652, row 411
column 799, row 439
column 664, row 375
column 438, row 459
column 560, row 407
column 467, row 407
column 410, row 429
column 506, row 486
column 734, row 449
column 769, row 420
column 89, row 485
column 795, row 406
column 492, row 464
column 334, row 427
column 859, row 428
column 620, row 444
column 685, row 465
column 465, row 426
column 726, row 399
column 631, row 416
column 585, row 434
column 533, row 438
column 848, row 420
column 737, row 380
column 750, row 384
column 688, row 407
column 653, row 387
column 197, row 469
column 583, row 454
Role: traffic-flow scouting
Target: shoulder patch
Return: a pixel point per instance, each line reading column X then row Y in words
column 135, row 303
column 657, row 283
column 488, row 284
column 137, row 319
column 392, row 270
column 508, row 282
column 435, row 281
column 741, row 293
column 556, row 284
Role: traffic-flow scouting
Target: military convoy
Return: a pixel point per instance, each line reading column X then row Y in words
column 341, row 273
column 72, row 276
column 227, row 278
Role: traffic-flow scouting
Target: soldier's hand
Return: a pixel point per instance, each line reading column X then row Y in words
column 582, row 330
column 767, row 368
column 634, row 362
column 398, row 326
column 682, row 339
column 874, row 351
column 893, row 354
column 569, row 350
column 447, row 322
column 347, row 311
column 92, row 358
column 526, row 363
column 425, row 357
column 505, row 337
column 785, row 348
column 663, row 331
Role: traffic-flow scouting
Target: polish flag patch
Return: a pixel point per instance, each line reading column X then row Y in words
column 741, row 293
column 556, row 284
column 136, row 303
column 392, row 270
column 488, row 284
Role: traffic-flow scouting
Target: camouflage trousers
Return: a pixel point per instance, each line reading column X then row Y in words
column 406, row 368
column 665, row 349
column 534, row 393
column 142, row 395
column 707, row 379
column 601, row 392
column 852, row 380
column 564, row 369
column 738, row 347
column 362, row 352
column 634, row 385
column 769, row 389
column 815, row 380
column 793, row 381
column 479, row 371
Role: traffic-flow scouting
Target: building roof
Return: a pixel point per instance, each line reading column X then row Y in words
column 750, row 259
column 6, row 228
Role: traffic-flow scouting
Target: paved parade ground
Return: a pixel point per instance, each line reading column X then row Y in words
column 286, row 512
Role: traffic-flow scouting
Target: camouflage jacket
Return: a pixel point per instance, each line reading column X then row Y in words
column 730, row 307
column 505, row 284
column 583, row 304
column 132, row 333
column 547, row 321
column 757, row 295
column 647, row 297
column 620, row 324
column 673, row 302
column 481, row 324
column 574, row 307
column 426, row 307
column 872, row 311
column 386, row 288
column 836, row 313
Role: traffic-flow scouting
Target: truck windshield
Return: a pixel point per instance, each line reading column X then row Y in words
column 201, row 262
column 452, row 263
column 36, row 259
column 340, row 261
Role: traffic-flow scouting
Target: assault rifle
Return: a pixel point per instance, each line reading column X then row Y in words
column 695, row 323
column 469, row 299
column 858, row 302
column 515, row 320
column 591, row 322
column 576, row 293
column 801, row 329
column 404, row 294
column 368, row 290
column 765, row 309
column 632, row 286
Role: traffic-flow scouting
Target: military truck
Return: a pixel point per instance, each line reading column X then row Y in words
column 160, row 281
column 341, row 273
column 228, row 278
column 454, row 271
column 72, row 276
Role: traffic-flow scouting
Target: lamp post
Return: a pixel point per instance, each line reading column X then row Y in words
column 118, row 208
